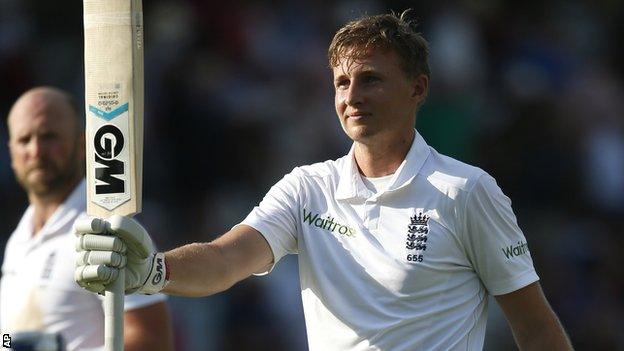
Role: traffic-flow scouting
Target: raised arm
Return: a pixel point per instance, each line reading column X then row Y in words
column 533, row 322
column 198, row 269
column 202, row 269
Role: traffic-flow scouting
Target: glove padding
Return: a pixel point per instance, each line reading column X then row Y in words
column 105, row 246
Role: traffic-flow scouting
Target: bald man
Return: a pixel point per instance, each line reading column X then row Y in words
column 37, row 291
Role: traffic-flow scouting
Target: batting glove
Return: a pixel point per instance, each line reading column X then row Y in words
column 106, row 246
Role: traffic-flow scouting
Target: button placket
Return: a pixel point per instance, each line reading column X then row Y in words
column 371, row 211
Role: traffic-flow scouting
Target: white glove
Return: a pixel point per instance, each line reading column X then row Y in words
column 105, row 246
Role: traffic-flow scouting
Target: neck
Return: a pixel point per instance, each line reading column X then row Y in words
column 378, row 159
column 45, row 205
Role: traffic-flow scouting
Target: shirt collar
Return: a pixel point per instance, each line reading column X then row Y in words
column 351, row 185
column 61, row 220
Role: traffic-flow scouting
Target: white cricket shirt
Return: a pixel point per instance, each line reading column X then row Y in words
column 408, row 268
column 38, row 291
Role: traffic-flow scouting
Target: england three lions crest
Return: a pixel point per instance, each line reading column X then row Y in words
column 417, row 231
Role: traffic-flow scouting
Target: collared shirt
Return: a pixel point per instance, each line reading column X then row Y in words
column 38, row 291
column 407, row 268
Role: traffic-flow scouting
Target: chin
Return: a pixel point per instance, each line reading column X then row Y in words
column 42, row 184
column 359, row 133
column 38, row 186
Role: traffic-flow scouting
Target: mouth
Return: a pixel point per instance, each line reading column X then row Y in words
column 37, row 172
column 358, row 115
column 39, row 168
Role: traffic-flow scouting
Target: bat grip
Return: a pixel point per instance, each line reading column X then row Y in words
column 114, row 313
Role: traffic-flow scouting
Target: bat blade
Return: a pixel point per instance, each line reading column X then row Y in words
column 113, row 37
column 114, row 106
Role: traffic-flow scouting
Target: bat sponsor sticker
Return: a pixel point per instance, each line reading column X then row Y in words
column 108, row 132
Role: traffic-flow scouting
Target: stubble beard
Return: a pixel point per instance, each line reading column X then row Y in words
column 58, row 179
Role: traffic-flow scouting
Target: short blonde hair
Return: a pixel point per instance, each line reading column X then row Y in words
column 386, row 32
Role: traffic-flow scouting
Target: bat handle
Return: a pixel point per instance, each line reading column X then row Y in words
column 114, row 313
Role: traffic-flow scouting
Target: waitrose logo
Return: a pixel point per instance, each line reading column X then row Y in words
column 515, row 250
column 327, row 223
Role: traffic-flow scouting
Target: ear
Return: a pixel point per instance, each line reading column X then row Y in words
column 420, row 88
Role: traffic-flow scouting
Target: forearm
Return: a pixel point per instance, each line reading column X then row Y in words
column 534, row 324
column 208, row 268
column 545, row 335
column 198, row 269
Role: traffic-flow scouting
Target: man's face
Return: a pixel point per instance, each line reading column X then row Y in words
column 375, row 100
column 45, row 147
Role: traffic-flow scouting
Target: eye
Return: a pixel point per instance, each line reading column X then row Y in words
column 341, row 83
column 48, row 136
column 23, row 140
column 370, row 79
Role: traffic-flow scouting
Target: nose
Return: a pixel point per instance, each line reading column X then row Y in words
column 354, row 95
column 36, row 147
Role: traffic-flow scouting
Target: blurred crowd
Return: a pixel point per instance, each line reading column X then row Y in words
column 239, row 92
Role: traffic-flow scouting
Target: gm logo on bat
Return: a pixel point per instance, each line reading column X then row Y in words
column 108, row 144
column 111, row 155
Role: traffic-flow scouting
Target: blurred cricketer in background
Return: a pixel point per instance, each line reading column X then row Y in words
column 38, row 292
column 398, row 245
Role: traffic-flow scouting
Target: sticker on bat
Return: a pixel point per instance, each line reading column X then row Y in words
column 111, row 156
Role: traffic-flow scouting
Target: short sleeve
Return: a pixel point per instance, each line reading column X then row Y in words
column 275, row 216
column 494, row 243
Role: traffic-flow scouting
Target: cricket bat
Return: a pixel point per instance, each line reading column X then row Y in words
column 113, row 52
